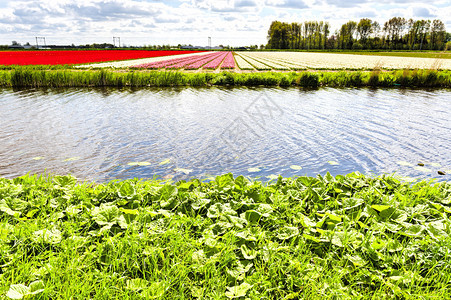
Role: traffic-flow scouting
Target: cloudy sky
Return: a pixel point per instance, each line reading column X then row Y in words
column 151, row 22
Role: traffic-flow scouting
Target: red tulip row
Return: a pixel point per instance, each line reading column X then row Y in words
column 69, row 57
column 229, row 62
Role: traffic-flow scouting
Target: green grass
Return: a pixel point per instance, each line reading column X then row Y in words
column 25, row 77
column 420, row 54
column 343, row 237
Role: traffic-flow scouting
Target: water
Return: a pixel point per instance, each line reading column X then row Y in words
column 101, row 134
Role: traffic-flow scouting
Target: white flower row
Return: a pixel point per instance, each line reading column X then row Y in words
column 242, row 64
column 347, row 61
column 258, row 65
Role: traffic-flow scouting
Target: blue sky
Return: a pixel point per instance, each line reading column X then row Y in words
column 227, row 22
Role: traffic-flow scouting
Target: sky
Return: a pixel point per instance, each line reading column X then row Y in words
column 156, row 22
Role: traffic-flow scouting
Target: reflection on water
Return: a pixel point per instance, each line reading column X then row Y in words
column 104, row 134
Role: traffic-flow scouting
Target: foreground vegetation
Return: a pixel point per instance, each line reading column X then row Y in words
column 339, row 237
column 33, row 77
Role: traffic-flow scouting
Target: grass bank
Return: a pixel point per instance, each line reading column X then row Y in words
column 26, row 77
column 343, row 237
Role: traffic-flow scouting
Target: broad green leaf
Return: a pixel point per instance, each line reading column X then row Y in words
column 246, row 235
column 64, row 181
column 218, row 209
column 287, row 232
column 404, row 163
column 72, row 210
column 49, row 236
column 154, row 291
column 238, row 290
column 17, row 291
column 200, row 203
column 253, row 170
column 334, row 218
column 311, row 238
column 165, row 162
column 296, row 167
column 380, row 208
column 129, row 211
column 36, row 287
column 199, row 257
column 305, row 221
column 220, row 227
column 252, row 216
column 236, row 221
column 127, row 190
column 339, row 239
column 247, row 252
column 106, row 214
column 185, row 185
column 168, row 196
column 137, row 284
column 13, row 206
column 350, row 203
column 413, row 230
column 356, row 260
column 139, row 163
column 394, row 246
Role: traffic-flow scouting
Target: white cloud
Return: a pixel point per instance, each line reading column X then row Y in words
column 234, row 22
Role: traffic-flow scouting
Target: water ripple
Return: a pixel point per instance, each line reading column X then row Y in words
column 95, row 133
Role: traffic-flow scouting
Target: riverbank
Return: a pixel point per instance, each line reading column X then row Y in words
column 350, row 236
column 34, row 77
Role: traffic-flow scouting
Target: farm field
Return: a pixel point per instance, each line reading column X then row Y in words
column 77, row 57
column 284, row 61
column 243, row 61
column 333, row 61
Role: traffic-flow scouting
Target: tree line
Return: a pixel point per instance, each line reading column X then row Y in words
column 395, row 34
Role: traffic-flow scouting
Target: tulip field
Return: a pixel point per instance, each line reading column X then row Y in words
column 209, row 61
column 222, row 60
column 68, row 57
column 281, row 61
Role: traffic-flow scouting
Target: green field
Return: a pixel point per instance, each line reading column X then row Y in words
column 420, row 54
column 343, row 237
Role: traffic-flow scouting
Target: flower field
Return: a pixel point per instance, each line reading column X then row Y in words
column 335, row 61
column 210, row 61
column 224, row 60
column 77, row 57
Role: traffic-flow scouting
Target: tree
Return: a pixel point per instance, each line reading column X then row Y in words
column 437, row 35
column 364, row 29
column 346, row 35
column 394, row 28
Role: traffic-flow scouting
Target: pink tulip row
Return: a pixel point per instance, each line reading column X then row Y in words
column 207, row 61
column 199, row 63
column 214, row 64
column 175, row 62
column 194, row 62
column 229, row 62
